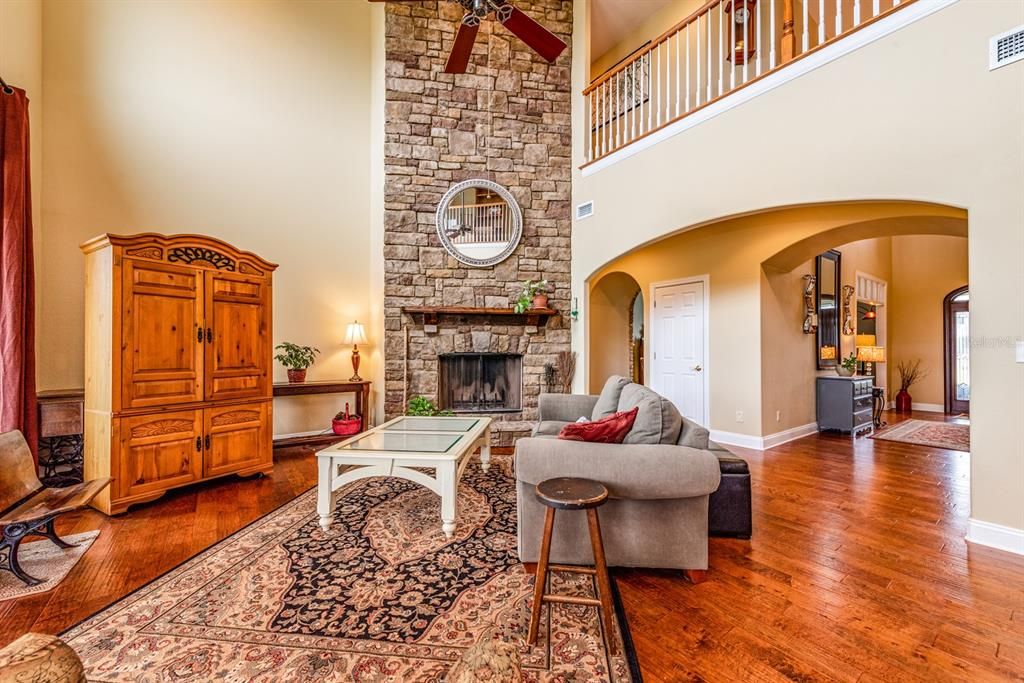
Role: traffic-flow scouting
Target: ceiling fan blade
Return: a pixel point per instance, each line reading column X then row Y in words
column 458, row 60
column 544, row 42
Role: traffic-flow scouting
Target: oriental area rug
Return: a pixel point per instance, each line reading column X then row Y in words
column 381, row 596
column 949, row 435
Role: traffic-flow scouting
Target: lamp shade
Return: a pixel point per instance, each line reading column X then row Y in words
column 355, row 333
column 871, row 354
column 865, row 340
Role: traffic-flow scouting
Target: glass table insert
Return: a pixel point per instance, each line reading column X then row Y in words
column 432, row 424
column 403, row 442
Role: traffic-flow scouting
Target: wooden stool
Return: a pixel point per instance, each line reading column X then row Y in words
column 570, row 493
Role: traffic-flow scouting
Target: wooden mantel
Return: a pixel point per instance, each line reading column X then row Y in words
column 431, row 314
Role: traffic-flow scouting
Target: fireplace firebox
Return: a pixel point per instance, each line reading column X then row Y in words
column 480, row 382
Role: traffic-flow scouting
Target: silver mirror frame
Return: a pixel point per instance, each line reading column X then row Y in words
column 517, row 217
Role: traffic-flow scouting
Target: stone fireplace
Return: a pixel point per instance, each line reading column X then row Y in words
column 480, row 382
column 506, row 120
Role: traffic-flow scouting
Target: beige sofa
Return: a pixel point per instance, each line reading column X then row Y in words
column 659, row 480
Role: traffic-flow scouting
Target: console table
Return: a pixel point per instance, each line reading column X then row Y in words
column 327, row 437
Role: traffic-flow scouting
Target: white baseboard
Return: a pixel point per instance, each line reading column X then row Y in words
column 761, row 443
column 996, row 536
column 929, row 407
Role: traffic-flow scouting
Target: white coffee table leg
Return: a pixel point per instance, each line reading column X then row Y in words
column 324, row 495
column 447, row 481
column 485, row 451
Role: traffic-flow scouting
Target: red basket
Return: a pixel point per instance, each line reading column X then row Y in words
column 344, row 424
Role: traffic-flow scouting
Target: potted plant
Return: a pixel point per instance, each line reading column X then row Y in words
column 910, row 374
column 423, row 407
column 533, row 295
column 847, row 366
column 296, row 358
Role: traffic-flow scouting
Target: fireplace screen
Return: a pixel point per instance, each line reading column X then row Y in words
column 481, row 382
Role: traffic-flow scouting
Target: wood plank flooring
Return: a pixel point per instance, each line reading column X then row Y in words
column 858, row 571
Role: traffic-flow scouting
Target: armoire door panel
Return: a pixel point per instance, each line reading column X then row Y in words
column 160, row 451
column 237, row 438
column 162, row 349
column 238, row 337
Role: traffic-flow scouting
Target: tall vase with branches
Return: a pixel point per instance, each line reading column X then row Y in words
column 910, row 374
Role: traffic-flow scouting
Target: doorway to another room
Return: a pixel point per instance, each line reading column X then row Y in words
column 957, row 326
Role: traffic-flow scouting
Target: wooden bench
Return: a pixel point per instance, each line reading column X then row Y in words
column 27, row 508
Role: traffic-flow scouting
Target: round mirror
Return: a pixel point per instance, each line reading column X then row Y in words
column 479, row 222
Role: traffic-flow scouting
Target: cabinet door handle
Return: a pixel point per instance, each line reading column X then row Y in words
column 207, row 444
column 209, row 335
column 199, row 334
column 199, row 444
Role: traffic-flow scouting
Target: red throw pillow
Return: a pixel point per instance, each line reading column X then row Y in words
column 611, row 429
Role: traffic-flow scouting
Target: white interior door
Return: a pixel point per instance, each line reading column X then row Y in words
column 677, row 347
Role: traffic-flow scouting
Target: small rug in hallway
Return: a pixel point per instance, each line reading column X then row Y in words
column 382, row 596
column 44, row 560
column 949, row 435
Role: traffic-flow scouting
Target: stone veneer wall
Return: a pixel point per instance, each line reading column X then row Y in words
column 507, row 120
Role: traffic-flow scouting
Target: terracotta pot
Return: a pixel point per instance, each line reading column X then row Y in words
column 296, row 376
column 904, row 402
column 540, row 301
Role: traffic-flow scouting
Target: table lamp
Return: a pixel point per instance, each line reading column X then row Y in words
column 869, row 355
column 355, row 335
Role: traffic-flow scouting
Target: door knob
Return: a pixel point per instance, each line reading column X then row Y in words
column 697, row 368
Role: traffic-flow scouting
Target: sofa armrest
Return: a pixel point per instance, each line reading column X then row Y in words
column 630, row 471
column 694, row 435
column 564, row 407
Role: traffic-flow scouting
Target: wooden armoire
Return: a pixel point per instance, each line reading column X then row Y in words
column 177, row 364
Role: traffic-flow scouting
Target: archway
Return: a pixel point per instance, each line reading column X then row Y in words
column 613, row 325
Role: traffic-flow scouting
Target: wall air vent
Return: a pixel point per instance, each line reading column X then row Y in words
column 585, row 210
column 1006, row 48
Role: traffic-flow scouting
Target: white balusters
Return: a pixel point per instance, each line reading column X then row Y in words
column 721, row 48
column 657, row 104
column 839, row 17
column 650, row 92
column 731, row 54
column 757, row 45
column 821, row 21
column 771, row 35
column 679, row 67
column 807, row 27
column 876, row 7
column 856, row 13
column 708, row 98
column 688, row 65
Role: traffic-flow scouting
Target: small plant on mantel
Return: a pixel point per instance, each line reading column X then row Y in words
column 296, row 359
column 533, row 295
column 421, row 406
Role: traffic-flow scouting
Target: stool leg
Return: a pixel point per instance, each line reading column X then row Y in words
column 604, row 585
column 541, row 579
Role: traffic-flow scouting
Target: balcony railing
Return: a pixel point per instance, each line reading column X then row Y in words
column 480, row 223
column 722, row 47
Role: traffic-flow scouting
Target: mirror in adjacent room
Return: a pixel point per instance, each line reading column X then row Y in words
column 828, row 348
column 479, row 222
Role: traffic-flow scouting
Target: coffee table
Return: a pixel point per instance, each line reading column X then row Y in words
column 395, row 448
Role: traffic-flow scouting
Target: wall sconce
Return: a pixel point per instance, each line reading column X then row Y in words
column 810, row 311
column 574, row 314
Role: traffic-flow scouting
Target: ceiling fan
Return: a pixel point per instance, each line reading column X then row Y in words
column 539, row 39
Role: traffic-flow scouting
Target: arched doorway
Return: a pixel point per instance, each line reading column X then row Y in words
column 616, row 317
column 956, row 333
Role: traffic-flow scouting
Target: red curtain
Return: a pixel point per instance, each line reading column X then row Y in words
column 17, row 296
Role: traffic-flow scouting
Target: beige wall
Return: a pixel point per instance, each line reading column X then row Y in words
column 611, row 301
column 826, row 136
column 924, row 271
column 245, row 120
column 656, row 24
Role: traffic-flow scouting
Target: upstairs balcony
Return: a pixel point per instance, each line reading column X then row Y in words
column 719, row 50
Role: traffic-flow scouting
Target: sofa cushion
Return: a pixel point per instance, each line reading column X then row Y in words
column 658, row 421
column 693, row 435
column 608, row 402
column 611, row 429
column 549, row 427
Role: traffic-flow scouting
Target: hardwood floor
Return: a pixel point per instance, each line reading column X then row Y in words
column 858, row 571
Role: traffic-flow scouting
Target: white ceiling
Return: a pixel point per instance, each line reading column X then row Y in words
column 611, row 20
